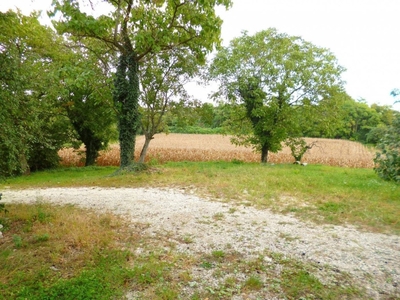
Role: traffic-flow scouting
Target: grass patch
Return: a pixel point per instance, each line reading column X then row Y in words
column 269, row 276
column 54, row 252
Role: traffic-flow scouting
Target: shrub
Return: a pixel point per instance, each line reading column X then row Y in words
column 387, row 160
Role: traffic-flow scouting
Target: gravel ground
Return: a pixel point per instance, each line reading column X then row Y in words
column 372, row 259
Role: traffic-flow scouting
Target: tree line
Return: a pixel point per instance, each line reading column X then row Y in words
column 113, row 77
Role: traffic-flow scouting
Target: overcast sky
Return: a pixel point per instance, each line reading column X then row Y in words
column 363, row 34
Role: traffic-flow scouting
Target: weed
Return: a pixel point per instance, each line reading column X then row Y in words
column 166, row 292
column 218, row 216
column 253, row 283
column 218, row 254
column 232, row 210
column 287, row 237
column 17, row 240
column 42, row 238
column 188, row 239
column 207, row 265
column 3, row 207
column 83, row 260
column 3, row 221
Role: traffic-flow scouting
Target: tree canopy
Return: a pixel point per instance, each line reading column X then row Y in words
column 274, row 78
column 31, row 126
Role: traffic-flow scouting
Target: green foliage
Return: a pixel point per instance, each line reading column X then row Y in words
column 86, row 96
column 196, row 130
column 2, row 205
column 138, row 31
column 31, row 127
column 275, row 80
column 358, row 120
column 253, row 283
column 387, row 161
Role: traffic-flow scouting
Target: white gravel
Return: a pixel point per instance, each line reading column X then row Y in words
column 372, row 259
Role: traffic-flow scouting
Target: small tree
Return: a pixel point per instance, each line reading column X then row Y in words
column 387, row 161
column 298, row 147
column 163, row 78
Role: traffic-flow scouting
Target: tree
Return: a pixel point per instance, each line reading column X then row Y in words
column 298, row 147
column 31, row 128
column 136, row 29
column 274, row 78
column 163, row 78
column 86, row 96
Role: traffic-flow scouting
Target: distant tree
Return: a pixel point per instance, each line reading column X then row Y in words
column 385, row 112
column 357, row 121
column 135, row 30
column 325, row 119
column 273, row 78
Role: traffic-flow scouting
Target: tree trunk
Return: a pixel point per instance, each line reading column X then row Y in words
column 148, row 138
column 264, row 154
column 126, row 100
column 25, row 169
column 92, row 152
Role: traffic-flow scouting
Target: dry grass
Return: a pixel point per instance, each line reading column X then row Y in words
column 65, row 237
column 197, row 147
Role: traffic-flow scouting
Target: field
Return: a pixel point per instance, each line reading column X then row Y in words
column 197, row 147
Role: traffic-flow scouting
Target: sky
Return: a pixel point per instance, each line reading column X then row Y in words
column 364, row 35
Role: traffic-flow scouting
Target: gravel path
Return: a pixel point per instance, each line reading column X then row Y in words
column 372, row 259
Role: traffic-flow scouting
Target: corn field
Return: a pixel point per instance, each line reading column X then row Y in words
column 198, row 147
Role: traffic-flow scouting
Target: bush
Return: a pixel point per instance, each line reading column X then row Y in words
column 387, row 160
column 196, row 130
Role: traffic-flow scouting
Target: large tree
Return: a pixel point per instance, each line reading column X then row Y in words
column 274, row 78
column 136, row 29
column 31, row 126
column 86, row 95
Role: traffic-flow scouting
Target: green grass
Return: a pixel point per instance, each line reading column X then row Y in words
column 322, row 194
